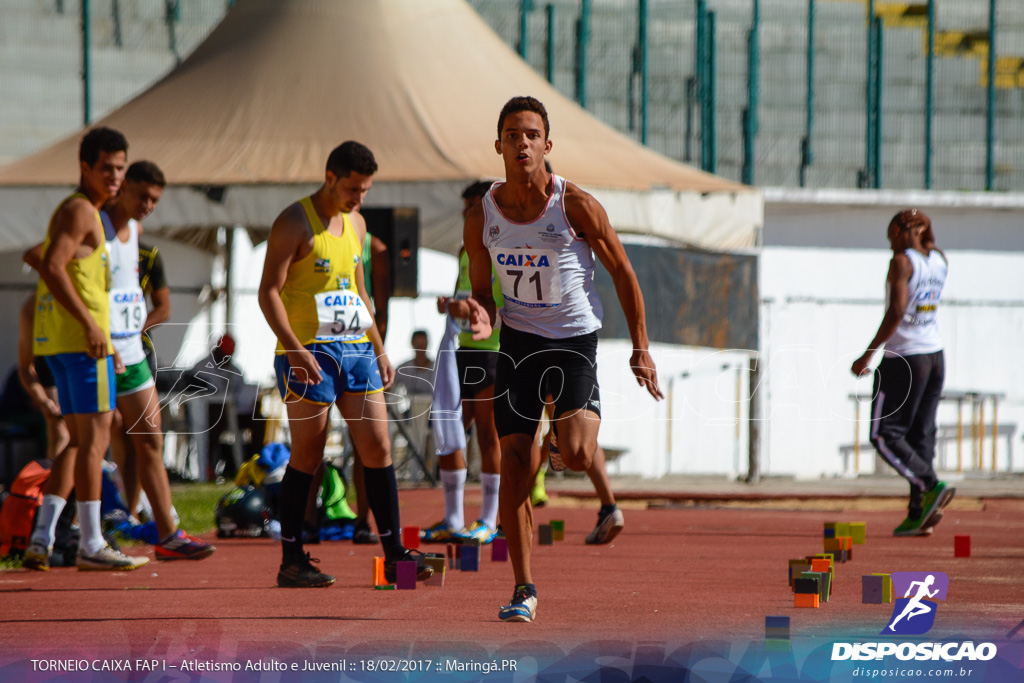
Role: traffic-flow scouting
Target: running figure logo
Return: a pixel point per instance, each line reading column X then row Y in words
column 914, row 613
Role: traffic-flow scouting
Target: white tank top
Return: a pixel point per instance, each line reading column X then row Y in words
column 918, row 331
column 127, row 301
column 546, row 270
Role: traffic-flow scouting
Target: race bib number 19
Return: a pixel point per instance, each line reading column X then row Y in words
column 342, row 316
column 529, row 277
column 127, row 312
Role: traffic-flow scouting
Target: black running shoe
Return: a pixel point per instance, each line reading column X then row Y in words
column 423, row 570
column 302, row 574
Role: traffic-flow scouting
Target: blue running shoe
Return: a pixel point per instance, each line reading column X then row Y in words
column 523, row 606
column 440, row 533
column 479, row 531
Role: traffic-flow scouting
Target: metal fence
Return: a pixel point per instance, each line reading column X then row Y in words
column 816, row 93
column 819, row 93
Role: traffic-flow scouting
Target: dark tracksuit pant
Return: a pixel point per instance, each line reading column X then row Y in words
column 906, row 398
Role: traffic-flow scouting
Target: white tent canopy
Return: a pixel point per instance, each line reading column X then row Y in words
column 256, row 109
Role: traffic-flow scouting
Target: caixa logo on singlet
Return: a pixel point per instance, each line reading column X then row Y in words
column 914, row 613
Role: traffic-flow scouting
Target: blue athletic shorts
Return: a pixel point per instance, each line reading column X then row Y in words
column 346, row 369
column 84, row 384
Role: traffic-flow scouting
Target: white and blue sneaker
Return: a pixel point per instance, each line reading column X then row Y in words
column 479, row 531
column 523, row 606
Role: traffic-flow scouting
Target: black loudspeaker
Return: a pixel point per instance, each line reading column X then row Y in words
column 399, row 229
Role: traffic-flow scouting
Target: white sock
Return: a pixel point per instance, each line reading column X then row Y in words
column 46, row 520
column 454, row 483
column 489, row 507
column 89, row 523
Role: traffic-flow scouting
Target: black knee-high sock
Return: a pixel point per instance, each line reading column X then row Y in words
column 382, row 495
column 292, row 508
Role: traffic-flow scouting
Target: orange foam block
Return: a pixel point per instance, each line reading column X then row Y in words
column 378, row 572
column 805, row 599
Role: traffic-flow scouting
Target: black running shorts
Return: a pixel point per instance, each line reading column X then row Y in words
column 476, row 370
column 531, row 367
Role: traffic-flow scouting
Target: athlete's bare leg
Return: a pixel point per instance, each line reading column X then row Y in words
column 93, row 433
column 519, row 463
column 140, row 411
column 598, row 475
column 577, row 438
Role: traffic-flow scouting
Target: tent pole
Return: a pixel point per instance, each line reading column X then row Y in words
column 524, row 28
column 86, row 69
column 990, row 108
column 642, row 10
column 551, row 43
column 582, row 43
column 229, row 268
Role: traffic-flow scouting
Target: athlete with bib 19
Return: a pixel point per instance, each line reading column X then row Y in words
column 541, row 233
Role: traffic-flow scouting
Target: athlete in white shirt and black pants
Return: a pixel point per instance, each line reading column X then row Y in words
column 909, row 379
column 541, row 234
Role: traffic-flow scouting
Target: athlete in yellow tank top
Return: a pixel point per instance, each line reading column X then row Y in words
column 73, row 334
column 323, row 283
column 55, row 329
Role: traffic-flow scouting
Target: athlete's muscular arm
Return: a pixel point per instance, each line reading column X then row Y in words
column 161, row 311
column 387, row 373
column 72, row 230
column 288, row 234
column 26, row 362
column 900, row 271
column 587, row 216
column 482, row 311
column 33, row 256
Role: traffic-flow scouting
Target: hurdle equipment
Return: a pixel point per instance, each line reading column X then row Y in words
column 805, row 600
column 776, row 628
column 830, row 529
column 806, row 585
column 385, row 587
column 499, row 549
column 546, row 536
column 961, row 546
column 859, row 531
column 871, row 589
column 886, row 586
column 450, row 552
column 824, row 581
column 405, row 572
column 378, row 572
column 411, row 537
column 558, row 529
column 796, row 567
column 438, row 565
column 469, row 561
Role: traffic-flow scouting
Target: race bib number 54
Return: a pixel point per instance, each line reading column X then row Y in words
column 342, row 316
column 127, row 312
column 529, row 277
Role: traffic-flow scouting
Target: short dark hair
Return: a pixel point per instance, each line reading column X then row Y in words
column 477, row 189
column 523, row 103
column 146, row 172
column 351, row 156
column 101, row 140
column 418, row 333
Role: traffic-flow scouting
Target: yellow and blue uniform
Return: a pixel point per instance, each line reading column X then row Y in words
column 84, row 384
column 325, row 312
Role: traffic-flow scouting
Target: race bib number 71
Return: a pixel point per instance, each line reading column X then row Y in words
column 342, row 316
column 529, row 277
